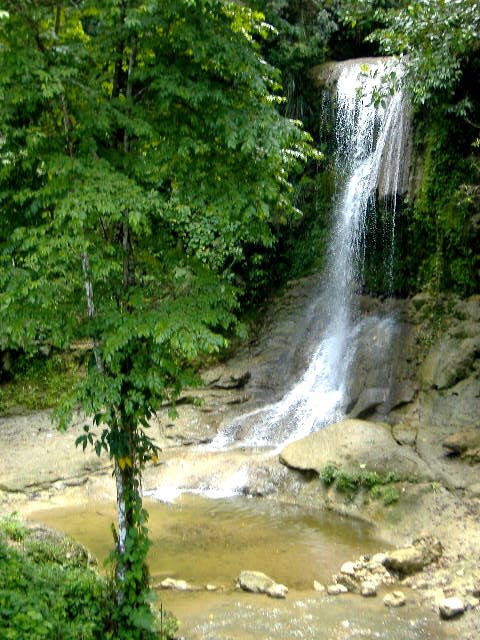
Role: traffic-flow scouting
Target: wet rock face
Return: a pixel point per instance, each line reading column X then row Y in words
column 411, row 363
column 465, row 443
column 417, row 358
column 449, row 361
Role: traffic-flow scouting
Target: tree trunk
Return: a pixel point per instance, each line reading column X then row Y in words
column 120, row 569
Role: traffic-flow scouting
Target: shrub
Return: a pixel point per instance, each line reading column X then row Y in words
column 48, row 591
column 351, row 481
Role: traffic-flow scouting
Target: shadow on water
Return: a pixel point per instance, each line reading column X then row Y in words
column 210, row 541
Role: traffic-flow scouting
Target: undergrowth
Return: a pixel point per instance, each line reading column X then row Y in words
column 40, row 382
column 48, row 591
column 380, row 485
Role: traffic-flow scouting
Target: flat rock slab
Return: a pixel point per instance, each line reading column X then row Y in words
column 35, row 454
column 354, row 444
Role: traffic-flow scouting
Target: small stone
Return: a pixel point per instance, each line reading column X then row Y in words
column 350, row 582
column 176, row 585
column 210, row 587
column 318, row 586
column 336, row 589
column 421, row 584
column 277, row 591
column 348, row 568
column 379, row 558
column 451, row 608
column 368, row 589
column 394, row 599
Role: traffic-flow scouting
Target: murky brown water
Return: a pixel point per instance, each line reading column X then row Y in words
column 211, row 541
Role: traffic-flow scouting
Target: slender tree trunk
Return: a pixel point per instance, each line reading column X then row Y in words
column 122, row 521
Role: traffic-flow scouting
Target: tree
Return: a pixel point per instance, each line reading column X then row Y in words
column 436, row 38
column 142, row 159
column 299, row 40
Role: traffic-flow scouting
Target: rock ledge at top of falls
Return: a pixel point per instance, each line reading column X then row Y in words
column 327, row 74
column 352, row 445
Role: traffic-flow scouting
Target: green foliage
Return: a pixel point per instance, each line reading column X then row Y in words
column 442, row 245
column 328, row 474
column 298, row 41
column 390, row 496
column 378, row 484
column 45, row 598
column 40, row 381
column 439, row 45
column 13, row 528
column 357, row 20
column 304, row 246
column 48, row 590
column 142, row 163
column 438, row 38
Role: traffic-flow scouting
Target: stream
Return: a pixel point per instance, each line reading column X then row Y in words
column 207, row 541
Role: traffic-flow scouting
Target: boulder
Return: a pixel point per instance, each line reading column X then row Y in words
column 258, row 582
column 415, row 557
column 451, row 608
column 351, row 445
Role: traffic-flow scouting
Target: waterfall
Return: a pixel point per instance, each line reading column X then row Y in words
column 369, row 163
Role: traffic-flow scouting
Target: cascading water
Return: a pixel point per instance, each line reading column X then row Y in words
column 370, row 149
column 369, row 163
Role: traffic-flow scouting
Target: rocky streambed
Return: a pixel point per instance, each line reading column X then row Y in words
column 405, row 458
